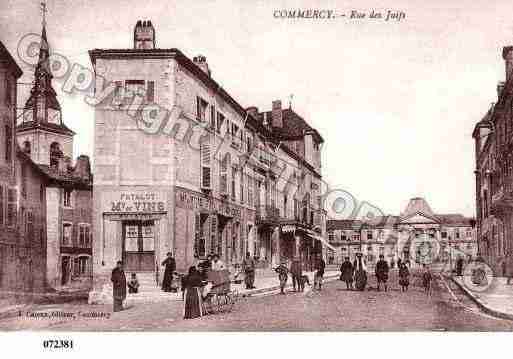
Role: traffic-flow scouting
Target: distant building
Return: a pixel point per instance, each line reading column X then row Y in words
column 494, row 175
column 418, row 234
column 165, row 190
column 44, row 137
column 22, row 200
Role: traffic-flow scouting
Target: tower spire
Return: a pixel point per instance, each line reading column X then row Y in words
column 43, row 11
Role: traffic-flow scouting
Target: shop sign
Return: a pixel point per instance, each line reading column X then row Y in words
column 135, row 202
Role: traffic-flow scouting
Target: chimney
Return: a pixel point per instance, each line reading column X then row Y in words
column 277, row 114
column 144, row 35
column 253, row 111
column 500, row 87
column 507, row 55
column 83, row 168
column 201, row 62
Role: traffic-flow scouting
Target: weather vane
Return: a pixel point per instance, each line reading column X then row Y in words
column 43, row 11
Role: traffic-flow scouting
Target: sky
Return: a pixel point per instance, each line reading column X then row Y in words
column 395, row 101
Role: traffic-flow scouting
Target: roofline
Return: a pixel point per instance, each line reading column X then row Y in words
column 182, row 59
column 10, row 61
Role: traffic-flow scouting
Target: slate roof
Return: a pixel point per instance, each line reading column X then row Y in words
column 68, row 177
column 294, row 126
column 5, row 55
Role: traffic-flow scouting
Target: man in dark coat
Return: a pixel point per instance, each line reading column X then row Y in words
column 346, row 273
column 459, row 266
column 248, row 266
column 170, row 264
column 319, row 274
column 381, row 272
column 297, row 272
column 118, row 279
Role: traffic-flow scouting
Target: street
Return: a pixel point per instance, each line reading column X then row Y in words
column 332, row 309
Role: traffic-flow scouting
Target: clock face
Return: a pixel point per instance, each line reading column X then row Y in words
column 54, row 116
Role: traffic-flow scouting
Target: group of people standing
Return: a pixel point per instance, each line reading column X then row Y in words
column 298, row 278
column 357, row 272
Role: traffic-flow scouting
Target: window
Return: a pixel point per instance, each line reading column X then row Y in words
column 242, row 179
column 42, row 193
column 84, row 236
column 343, row 237
column 118, row 92
column 201, row 109
column 66, row 198
column 66, row 235
column 235, row 130
column 369, row 235
column 233, row 184
column 27, row 147
column 220, row 120
column 356, row 237
column 30, row 227
column 206, row 182
column 457, row 233
column 81, row 266
column 8, row 143
column 444, row 234
column 12, row 207
column 199, row 236
column 55, row 154
column 150, row 91
column 331, row 236
column 133, row 88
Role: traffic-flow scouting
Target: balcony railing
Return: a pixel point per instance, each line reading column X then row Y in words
column 267, row 213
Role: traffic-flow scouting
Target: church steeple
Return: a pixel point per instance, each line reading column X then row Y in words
column 42, row 132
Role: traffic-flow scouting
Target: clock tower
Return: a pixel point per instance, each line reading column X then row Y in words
column 42, row 134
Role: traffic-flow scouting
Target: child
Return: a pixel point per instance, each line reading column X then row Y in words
column 404, row 277
column 282, row 271
column 133, row 284
column 426, row 279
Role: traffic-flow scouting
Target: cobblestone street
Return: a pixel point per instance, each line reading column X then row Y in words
column 332, row 309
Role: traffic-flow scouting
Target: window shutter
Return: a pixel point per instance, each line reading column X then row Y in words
column 205, row 164
column 1, row 205
column 213, row 234
column 197, row 234
column 150, row 91
column 212, row 117
column 198, row 108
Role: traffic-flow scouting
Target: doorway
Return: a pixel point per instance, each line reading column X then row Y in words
column 139, row 246
column 65, row 270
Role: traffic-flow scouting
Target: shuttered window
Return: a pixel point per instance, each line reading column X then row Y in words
column 150, row 91
column 206, row 180
column 1, row 205
column 12, row 207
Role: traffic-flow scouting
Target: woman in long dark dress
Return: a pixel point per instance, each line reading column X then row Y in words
column 170, row 264
column 193, row 282
column 346, row 273
column 360, row 273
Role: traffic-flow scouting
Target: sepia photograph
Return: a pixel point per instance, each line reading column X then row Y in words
column 255, row 166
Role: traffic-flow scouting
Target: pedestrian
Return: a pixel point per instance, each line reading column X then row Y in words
column 360, row 273
column 193, row 283
column 282, row 271
column 399, row 262
column 248, row 266
column 508, row 267
column 296, row 271
column 459, row 266
column 170, row 267
column 133, row 284
column 427, row 277
column 404, row 277
column 217, row 264
column 346, row 273
column 319, row 274
column 381, row 272
column 118, row 279
column 392, row 263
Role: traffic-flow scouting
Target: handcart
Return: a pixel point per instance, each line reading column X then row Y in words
column 220, row 297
